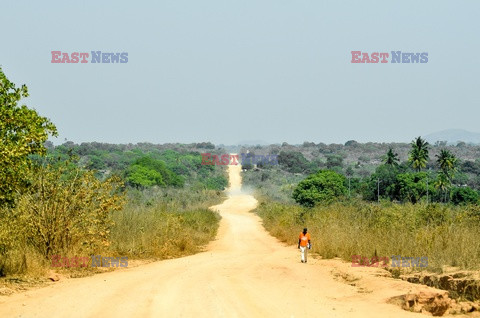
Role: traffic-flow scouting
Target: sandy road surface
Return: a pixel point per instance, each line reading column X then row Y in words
column 245, row 272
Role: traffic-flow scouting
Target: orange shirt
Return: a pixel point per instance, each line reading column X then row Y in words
column 304, row 239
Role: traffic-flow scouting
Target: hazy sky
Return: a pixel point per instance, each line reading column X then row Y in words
column 226, row 71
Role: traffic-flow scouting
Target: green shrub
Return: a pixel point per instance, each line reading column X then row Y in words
column 216, row 183
column 65, row 211
column 464, row 195
column 325, row 186
column 147, row 171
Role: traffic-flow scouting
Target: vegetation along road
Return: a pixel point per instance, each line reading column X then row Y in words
column 245, row 272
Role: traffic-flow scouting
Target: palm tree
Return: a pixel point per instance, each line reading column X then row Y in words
column 448, row 166
column 391, row 158
column 447, row 163
column 418, row 157
column 443, row 184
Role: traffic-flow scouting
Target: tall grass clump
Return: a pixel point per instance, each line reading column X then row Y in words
column 446, row 234
column 66, row 211
column 165, row 223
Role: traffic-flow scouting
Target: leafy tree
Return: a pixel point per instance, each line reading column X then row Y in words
column 334, row 161
column 411, row 187
column 388, row 178
column 143, row 177
column 292, row 161
column 322, row 187
column 23, row 132
column 391, row 158
column 464, row 195
column 418, row 156
column 351, row 143
column 147, row 171
column 96, row 163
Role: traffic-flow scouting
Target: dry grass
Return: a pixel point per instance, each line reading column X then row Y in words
column 446, row 235
column 154, row 224
column 164, row 227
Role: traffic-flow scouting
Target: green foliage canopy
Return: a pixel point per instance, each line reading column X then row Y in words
column 292, row 161
column 411, row 187
column 324, row 186
column 418, row 156
column 391, row 158
column 464, row 195
column 23, row 132
column 147, row 171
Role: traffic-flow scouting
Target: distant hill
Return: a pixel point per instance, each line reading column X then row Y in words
column 453, row 136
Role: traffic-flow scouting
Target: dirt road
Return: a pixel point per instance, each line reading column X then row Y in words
column 245, row 272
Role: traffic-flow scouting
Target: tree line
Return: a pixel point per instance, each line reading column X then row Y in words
column 409, row 181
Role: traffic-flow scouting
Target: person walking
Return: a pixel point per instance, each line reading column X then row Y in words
column 304, row 244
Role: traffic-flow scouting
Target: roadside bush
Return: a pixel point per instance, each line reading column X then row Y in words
column 66, row 210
